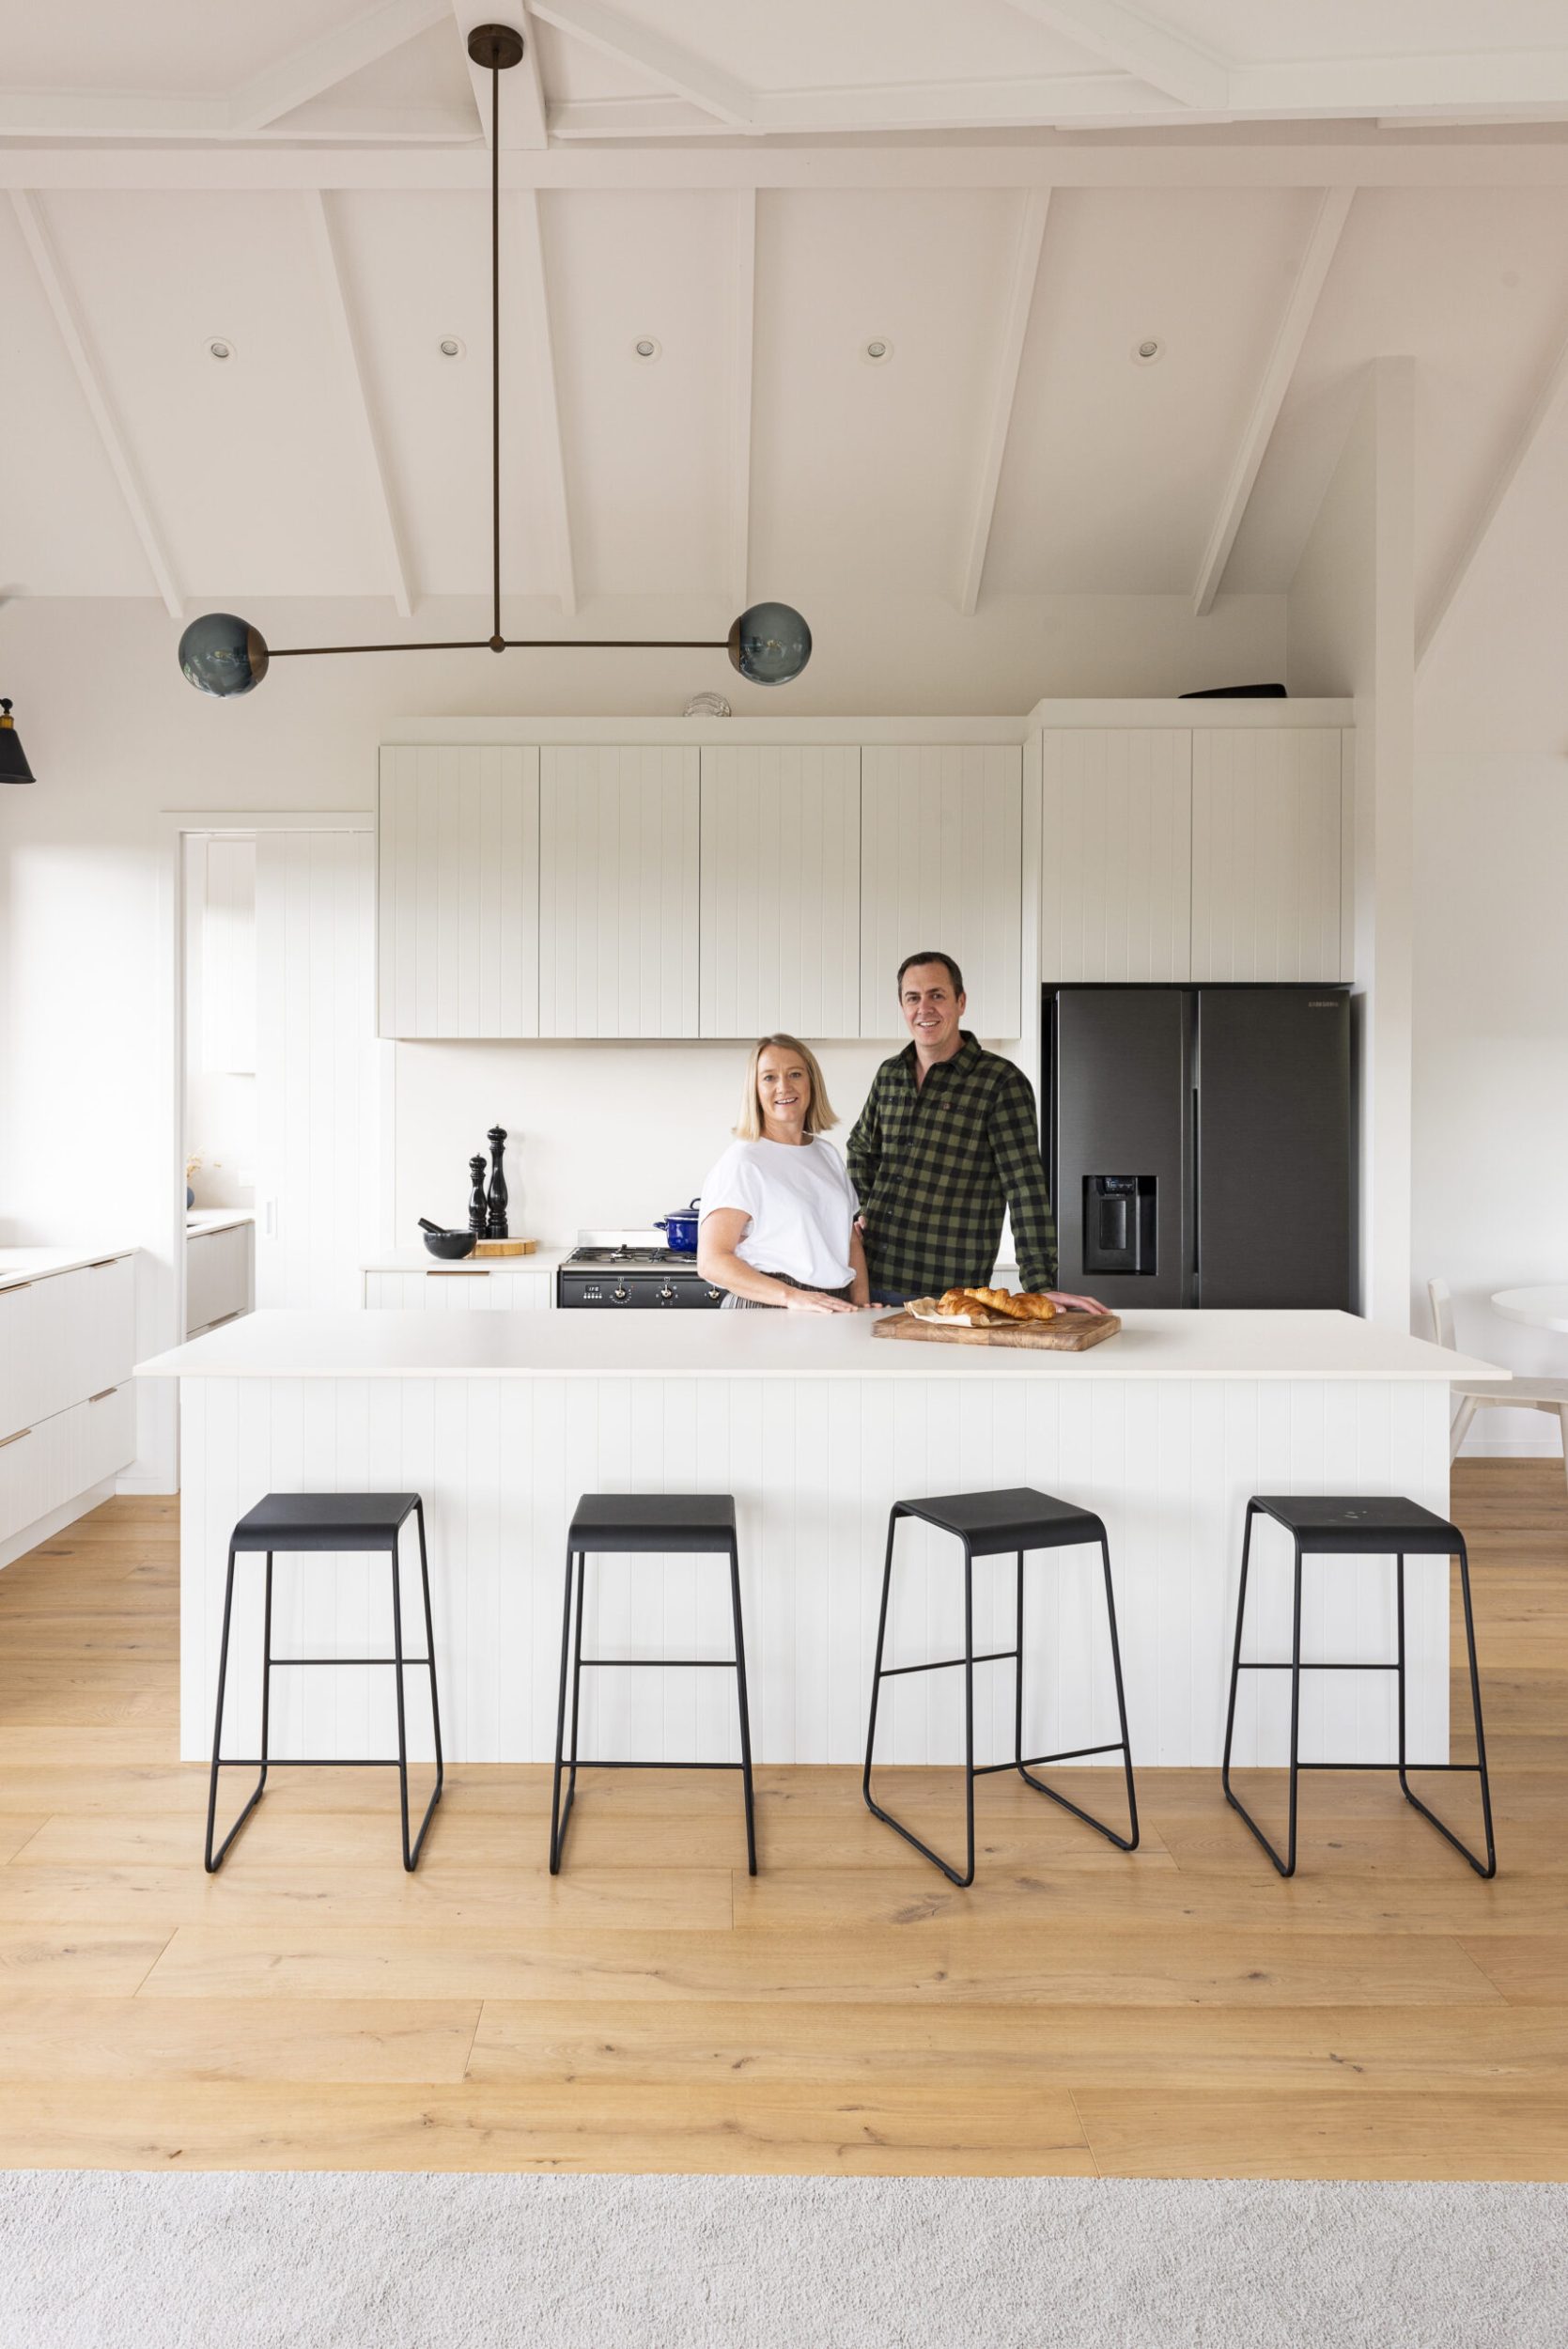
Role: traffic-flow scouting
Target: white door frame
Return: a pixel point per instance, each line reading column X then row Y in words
column 181, row 826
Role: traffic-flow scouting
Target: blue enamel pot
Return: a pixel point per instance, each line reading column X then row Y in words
column 680, row 1229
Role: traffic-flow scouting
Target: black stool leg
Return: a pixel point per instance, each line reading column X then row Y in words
column 1285, row 1867
column 964, row 1881
column 745, row 1713
column 410, row 1851
column 557, row 1814
column 214, row 1860
column 1123, row 1842
column 1479, row 1768
column 430, row 1653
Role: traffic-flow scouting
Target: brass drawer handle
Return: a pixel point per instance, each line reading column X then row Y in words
column 102, row 1395
column 16, row 1438
column 461, row 1272
column 99, row 1263
column 14, row 1287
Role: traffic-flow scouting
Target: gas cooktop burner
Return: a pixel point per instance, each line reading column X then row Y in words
column 653, row 1259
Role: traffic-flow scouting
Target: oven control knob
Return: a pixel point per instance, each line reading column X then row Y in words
column 715, row 1295
column 666, row 1295
column 620, row 1292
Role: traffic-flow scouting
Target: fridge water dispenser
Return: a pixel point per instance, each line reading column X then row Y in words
column 1120, row 1219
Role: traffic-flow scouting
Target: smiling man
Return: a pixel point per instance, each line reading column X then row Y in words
column 946, row 1142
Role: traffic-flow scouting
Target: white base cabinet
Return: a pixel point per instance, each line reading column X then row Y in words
column 68, row 1417
column 220, row 1276
column 482, row 1288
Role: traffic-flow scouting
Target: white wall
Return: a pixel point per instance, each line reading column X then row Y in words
column 1350, row 630
column 88, row 1139
column 1491, row 1028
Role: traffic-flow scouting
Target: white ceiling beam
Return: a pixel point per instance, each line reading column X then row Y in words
column 1102, row 100
column 1151, row 52
column 352, row 368
column 108, row 114
column 74, row 334
column 1289, row 336
column 742, row 346
column 1066, row 161
column 1468, row 84
column 1004, row 386
column 522, row 109
column 552, row 449
column 1551, row 401
column 322, row 64
column 648, row 52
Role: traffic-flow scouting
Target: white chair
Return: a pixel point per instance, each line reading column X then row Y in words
column 1520, row 1394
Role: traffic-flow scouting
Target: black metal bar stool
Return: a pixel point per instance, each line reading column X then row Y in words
column 289, row 1522
column 646, row 1522
column 987, row 1524
column 1330, row 1526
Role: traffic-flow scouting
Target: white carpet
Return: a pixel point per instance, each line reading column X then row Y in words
column 90, row 2260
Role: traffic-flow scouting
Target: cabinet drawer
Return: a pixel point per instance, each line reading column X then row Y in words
column 486, row 1290
column 35, row 1472
column 102, row 1435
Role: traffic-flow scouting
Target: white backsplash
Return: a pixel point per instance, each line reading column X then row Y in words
column 600, row 1134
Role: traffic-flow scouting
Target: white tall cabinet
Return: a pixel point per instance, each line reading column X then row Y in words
column 1207, row 854
column 618, row 888
column 941, row 859
column 457, row 891
column 1116, row 854
column 780, row 930
column 1265, row 853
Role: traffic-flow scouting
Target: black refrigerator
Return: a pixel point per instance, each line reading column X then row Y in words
column 1198, row 1142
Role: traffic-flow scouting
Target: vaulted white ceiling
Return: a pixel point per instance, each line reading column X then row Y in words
column 1011, row 195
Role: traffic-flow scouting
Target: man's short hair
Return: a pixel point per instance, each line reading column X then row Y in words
column 946, row 960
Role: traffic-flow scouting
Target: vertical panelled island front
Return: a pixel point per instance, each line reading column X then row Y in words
column 501, row 1420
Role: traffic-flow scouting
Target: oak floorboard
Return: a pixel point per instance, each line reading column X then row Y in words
column 1439, row 2132
column 775, row 2127
column 1014, row 1965
column 54, row 2039
column 1180, row 2012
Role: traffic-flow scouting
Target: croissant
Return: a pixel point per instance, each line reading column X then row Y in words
column 1031, row 1306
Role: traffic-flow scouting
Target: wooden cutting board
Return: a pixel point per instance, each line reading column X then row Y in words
column 1069, row 1333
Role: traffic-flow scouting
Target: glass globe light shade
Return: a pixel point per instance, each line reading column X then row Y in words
column 769, row 643
column 223, row 654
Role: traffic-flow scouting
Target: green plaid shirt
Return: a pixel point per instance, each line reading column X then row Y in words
column 934, row 1166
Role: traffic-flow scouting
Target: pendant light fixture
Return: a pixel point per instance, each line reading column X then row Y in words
column 13, row 758
column 221, row 653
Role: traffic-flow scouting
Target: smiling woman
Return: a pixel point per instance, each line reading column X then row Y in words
column 778, row 1211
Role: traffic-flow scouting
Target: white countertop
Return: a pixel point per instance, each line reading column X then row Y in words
column 1174, row 1346
column 20, row 1264
column 419, row 1259
column 202, row 1220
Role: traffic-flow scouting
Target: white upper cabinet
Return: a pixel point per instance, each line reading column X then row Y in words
column 1115, row 854
column 618, row 891
column 941, row 856
column 457, row 893
column 781, row 892
column 1265, row 853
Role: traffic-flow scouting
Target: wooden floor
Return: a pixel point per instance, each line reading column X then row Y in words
column 1179, row 2013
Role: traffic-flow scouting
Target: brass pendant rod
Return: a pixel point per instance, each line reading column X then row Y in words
column 496, row 351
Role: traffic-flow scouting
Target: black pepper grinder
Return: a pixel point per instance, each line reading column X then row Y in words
column 476, row 1197
column 495, row 1218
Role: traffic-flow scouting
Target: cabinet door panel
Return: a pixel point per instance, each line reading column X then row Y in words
column 618, row 892
column 781, row 892
column 457, row 891
column 109, row 1338
column 1265, row 853
column 1115, row 855
column 941, row 852
column 20, row 1322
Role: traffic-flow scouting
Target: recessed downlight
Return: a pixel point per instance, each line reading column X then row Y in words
column 452, row 347
column 219, row 346
column 877, row 351
column 1146, row 350
column 647, row 348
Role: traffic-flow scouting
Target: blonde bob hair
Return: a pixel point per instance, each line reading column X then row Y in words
column 819, row 1109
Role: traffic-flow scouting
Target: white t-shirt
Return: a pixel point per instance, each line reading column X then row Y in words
column 801, row 1204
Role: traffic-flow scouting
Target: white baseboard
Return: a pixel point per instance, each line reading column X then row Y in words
column 44, row 1528
column 146, row 1480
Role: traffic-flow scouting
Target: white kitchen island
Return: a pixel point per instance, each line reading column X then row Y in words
column 502, row 1420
